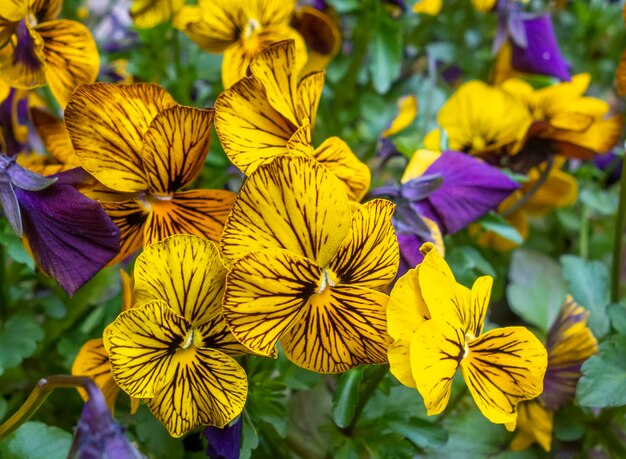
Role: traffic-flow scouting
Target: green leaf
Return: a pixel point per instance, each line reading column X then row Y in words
column 249, row 437
column 346, row 397
column 36, row 440
column 15, row 249
column 588, row 283
column 603, row 382
column 617, row 314
column 499, row 225
column 54, row 307
column 385, row 54
column 599, row 200
column 536, row 290
column 421, row 432
column 18, row 340
column 3, row 408
column 154, row 435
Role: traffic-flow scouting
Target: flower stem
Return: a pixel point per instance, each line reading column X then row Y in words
column 620, row 222
column 38, row 396
column 365, row 395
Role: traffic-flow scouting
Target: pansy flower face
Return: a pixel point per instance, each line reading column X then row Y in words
column 437, row 325
column 484, row 120
column 36, row 48
column 568, row 122
column 144, row 148
column 271, row 113
column 240, row 29
column 570, row 343
column 306, row 270
column 174, row 350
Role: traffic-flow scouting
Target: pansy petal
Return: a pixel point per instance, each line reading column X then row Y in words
column 292, row 203
column 534, row 424
column 70, row 235
column 25, row 67
column 71, row 56
column 277, row 69
column 621, row 74
column 601, row 137
column 215, row 334
column 250, row 130
column 54, row 136
column 407, row 310
column 208, row 387
column 175, row 147
column 503, row 367
column 184, row 271
column 436, row 349
column 400, row 362
column 150, row 13
column 559, row 189
column 309, row 94
column 93, row 361
column 407, row 111
column 342, row 327
column 142, row 344
column 570, row 343
column 265, row 295
column 481, row 294
column 321, row 35
column 130, row 218
column 337, row 156
column 214, row 27
column 447, row 300
column 268, row 12
column 197, row 212
column 369, row 256
column 107, row 124
column 300, row 142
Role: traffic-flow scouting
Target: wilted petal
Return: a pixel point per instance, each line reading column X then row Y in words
column 469, row 190
column 70, row 235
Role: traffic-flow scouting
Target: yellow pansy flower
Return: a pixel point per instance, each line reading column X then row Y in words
column 431, row 7
column 484, row 120
column 174, row 349
column 570, row 342
column 572, row 124
column 144, row 149
column 437, row 326
column 38, row 49
column 93, row 359
column 307, row 271
column 150, row 13
column 270, row 113
column 240, row 29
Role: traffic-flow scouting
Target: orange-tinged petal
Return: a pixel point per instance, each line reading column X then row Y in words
column 369, row 256
column 266, row 292
column 71, row 57
column 22, row 61
column 130, row 218
column 321, row 35
column 93, row 360
column 54, row 136
column 184, row 271
column 292, row 203
column 175, row 147
column 107, row 124
column 250, row 130
column 502, row 368
column 208, row 387
column 198, row 212
column 337, row 156
column 436, row 349
column 559, row 189
column 342, row 327
column 309, row 94
column 601, row 137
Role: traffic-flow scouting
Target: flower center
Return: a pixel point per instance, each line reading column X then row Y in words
column 193, row 338
column 252, row 25
column 327, row 280
column 468, row 337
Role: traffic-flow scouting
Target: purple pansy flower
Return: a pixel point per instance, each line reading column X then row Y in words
column 612, row 164
column 533, row 42
column 70, row 235
column 224, row 443
column 97, row 435
column 13, row 116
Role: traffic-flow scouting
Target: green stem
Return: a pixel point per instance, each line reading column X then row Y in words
column 38, row 396
column 365, row 395
column 584, row 233
column 620, row 222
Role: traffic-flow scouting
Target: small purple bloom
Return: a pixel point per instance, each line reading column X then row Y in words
column 469, row 190
column 70, row 235
column 97, row 435
column 410, row 254
column 224, row 443
column 612, row 164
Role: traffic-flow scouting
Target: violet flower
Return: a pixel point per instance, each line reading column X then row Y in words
column 533, row 42
column 13, row 122
column 97, row 434
column 69, row 235
column 224, row 443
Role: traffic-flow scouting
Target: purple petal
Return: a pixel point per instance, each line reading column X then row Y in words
column 542, row 54
column 97, row 435
column 10, row 205
column 11, row 111
column 70, row 235
column 410, row 255
column 421, row 187
column 224, row 443
column 469, row 190
column 612, row 164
